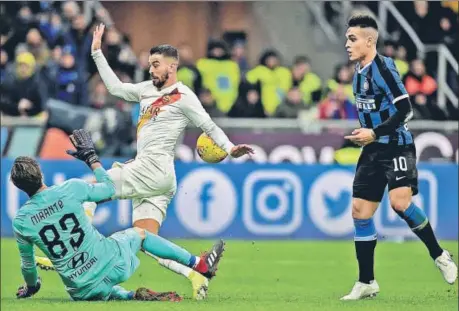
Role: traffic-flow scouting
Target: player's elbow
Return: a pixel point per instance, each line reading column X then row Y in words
column 116, row 89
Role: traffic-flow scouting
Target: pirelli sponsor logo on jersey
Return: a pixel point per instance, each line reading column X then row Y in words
column 154, row 109
column 365, row 103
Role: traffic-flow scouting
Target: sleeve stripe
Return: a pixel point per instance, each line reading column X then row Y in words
column 400, row 98
column 388, row 77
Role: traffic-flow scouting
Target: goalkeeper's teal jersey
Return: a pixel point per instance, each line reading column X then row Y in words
column 55, row 221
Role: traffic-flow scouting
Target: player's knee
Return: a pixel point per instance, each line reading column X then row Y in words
column 140, row 232
column 359, row 211
column 400, row 199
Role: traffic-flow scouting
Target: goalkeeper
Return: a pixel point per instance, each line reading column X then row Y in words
column 90, row 265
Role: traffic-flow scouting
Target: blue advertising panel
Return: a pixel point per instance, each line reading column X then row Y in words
column 252, row 201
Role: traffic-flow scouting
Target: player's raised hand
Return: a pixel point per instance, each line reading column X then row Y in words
column 362, row 136
column 240, row 150
column 24, row 291
column 97, row 37
column 85, row 150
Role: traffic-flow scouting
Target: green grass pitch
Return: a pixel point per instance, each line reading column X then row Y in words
column 268, row 275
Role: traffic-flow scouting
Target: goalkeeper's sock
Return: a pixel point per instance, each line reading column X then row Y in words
column 418, row 222
column 365, row 244
column 163, row 248
column 90, row 209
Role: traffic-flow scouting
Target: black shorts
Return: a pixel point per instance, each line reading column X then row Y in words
column 380, row 165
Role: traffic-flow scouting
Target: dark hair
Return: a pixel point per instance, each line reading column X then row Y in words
column 301, row 59
column 26, row 175
column 362, row 21
column 165, row 50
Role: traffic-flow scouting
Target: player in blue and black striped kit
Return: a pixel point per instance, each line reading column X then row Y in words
column 388, row 156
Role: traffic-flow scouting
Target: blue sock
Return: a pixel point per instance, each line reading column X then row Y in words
column 414, row 217
column 365, row 243
column 162, row 248
column 119, row 293
column 419, row 223
column 364, row 230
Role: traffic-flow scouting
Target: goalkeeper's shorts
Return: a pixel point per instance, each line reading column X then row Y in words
column 128, row 244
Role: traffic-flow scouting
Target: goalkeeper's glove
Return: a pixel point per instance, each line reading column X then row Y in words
column 85, row 150
column 25, row 291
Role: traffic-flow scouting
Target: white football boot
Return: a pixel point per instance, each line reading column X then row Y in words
column 448, row 268
column 362, row 291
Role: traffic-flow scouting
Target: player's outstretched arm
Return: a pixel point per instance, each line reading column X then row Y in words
column 200, row 118
column 104, row 188
column 127, row 91
column 28, row 268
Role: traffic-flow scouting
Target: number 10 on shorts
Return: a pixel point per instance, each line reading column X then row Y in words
column 400, row 164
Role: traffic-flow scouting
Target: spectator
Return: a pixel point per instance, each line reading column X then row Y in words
column 209, row 104
column 52, row 28
column 119, row 54
column 187, row 71
column 391, row 49
column 248, row 104
column 99, row 96
column 448, row 32
column 308, row 82
column 274, row 80
column 422, row 89
column 70, row 11
column 142, row 70
column 3, row 64
column 220, row 74
column 337, row 106
column 80, row 38
column 343, row 77
column 422, row 23
column 68, row 84
column 22, row 97
column 292, row 104
column 36, row 45
column 50, row 69
column 238, row 54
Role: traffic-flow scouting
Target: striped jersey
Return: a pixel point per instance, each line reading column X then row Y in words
column 377, row 87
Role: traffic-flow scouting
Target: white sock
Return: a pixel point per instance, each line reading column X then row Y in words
column 89, row 209
column 172, row 265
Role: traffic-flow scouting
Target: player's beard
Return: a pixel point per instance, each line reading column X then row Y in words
column 159, row 83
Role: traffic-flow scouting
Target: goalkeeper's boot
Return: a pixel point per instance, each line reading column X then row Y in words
column 208, row 263
column 146, row 294
column 448, row 268
column 362, row 291
column 44, row 263
column 200, row 285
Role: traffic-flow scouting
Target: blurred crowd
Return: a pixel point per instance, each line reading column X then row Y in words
column 47, row 71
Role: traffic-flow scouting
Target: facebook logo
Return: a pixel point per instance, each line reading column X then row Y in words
column 205, row 198
column 206, row 202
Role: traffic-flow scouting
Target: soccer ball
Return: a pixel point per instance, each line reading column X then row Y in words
column 208, row 150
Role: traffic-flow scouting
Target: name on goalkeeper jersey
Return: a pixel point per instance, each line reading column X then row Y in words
column 48, row 211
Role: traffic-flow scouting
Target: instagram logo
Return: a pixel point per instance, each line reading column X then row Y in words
column 272, row 202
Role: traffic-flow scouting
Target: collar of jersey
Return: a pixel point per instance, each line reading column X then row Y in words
column 170, row 88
